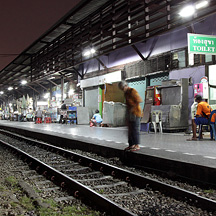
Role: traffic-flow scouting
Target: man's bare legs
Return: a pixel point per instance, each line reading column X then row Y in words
column 194, row 129
column 194, row 138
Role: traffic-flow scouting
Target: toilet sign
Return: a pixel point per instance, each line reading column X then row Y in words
column 201, row 44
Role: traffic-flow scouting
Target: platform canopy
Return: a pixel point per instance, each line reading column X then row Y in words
column 106, row 25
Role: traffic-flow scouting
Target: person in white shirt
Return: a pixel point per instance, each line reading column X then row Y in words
column 193, row 115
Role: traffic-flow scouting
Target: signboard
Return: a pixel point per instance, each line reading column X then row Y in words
column 201, row 44
column 100, row 80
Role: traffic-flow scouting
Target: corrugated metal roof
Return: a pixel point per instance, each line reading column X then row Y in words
column 20, row 67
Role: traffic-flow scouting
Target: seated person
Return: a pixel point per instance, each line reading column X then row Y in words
column 202, row 116
column 29, row 117
column 96, row 119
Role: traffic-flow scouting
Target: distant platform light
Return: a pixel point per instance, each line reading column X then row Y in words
column 47, row 95
column 42, row 103
column 23, row 82
column 50, row 78
column 58, row 95
column 71, row 92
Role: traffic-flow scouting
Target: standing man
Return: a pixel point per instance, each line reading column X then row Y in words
column 133, row 116
column 63, row 109
column 193, row 116
column 38, row 114
column 202, row 115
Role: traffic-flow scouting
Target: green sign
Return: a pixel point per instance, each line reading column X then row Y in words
column 201, row 44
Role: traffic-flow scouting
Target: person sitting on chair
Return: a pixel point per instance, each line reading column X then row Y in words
column 202, row 116
column 96, row 119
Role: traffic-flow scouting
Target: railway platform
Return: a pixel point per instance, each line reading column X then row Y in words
column 170, row 150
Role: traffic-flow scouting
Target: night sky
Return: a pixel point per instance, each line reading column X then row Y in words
column 24, row 21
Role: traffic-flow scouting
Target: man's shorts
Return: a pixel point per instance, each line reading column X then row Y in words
column 201, row 120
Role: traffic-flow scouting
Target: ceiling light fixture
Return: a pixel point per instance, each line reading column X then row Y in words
column 92, row 50
column 89, row 52
column 1, row 92
column 10, row 88
column 187, row 11
column 201, row 4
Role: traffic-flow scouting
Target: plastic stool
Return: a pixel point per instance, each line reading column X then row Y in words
column 47, row 120
column 156, row 118
column 38, row 120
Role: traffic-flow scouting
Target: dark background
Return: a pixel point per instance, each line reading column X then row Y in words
column 24, row 21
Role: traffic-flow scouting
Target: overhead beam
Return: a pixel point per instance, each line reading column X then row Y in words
column 42, row 86
column 101, row 63
column 191, row 28
column 68, row 78
column 81, row 75
column 33, row 88
column 152, row 46
column 139, row 53
column 3, row 97
column 53, row 82
column 18, row 91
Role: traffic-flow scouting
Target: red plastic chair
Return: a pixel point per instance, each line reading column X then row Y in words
column 38, row 120
column 49, row 120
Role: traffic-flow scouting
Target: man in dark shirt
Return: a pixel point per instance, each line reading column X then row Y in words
column 63, row 108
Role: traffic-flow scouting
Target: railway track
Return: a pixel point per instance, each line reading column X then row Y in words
column 109, row 188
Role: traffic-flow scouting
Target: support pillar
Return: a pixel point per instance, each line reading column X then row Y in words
column 62, row 88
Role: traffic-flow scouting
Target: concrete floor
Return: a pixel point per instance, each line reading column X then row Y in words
column 167, row 145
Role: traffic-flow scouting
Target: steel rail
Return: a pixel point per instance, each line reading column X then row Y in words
column 73, row 187
column 134, row 179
